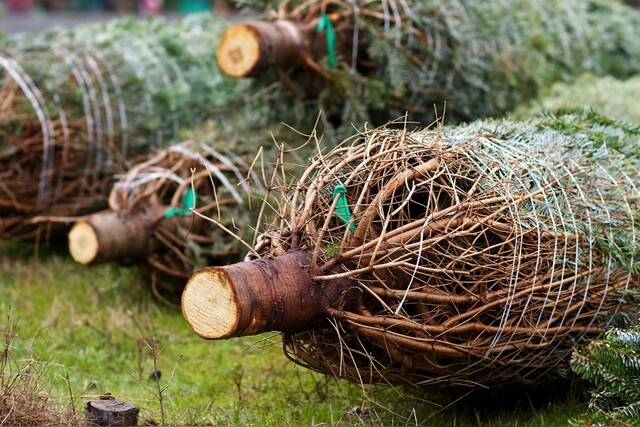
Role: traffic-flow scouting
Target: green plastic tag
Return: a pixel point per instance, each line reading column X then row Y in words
column 326, row 25
column 188, row 201
column 342, row 206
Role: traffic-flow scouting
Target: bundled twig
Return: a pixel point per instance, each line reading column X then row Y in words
column 371, row 60
column 77, row 106
column 473, row 255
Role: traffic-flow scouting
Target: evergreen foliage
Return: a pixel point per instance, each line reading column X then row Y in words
column 612, row 363
column 527, row 229
column 80, row 105
column 149, row 77
column 480, row 57
column 612, row 97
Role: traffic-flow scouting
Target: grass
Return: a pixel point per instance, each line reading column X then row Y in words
column 93, row 328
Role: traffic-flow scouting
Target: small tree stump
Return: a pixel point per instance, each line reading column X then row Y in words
column 112, row 412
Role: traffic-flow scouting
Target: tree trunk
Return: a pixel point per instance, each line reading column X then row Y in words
column 111, row 412
column 248, row 298
column 110, row 235
column 250, row 48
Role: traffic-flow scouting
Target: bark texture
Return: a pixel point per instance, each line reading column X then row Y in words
column 250, row 48
column 478, row 255
column 248, row 298
column 111, row 412
column 110, row 235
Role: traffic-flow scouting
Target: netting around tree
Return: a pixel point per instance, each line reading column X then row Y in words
column 477, row 255
column 79, row 105
column 219, row 184
column 480, row 57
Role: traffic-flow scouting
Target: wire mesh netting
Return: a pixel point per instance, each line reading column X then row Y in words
column 482, row 57
column 219, row 184
column 477, row 255
column 79, row 105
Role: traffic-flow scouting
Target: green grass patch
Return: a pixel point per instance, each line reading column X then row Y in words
column 92, row 326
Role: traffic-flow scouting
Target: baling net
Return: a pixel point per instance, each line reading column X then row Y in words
column 79, row 105
column 374, row 60
column 478, row 255
column 217, row 183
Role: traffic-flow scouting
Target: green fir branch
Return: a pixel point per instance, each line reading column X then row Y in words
column 612, row 364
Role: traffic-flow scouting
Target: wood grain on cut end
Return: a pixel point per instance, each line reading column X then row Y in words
column 83, row 243
column 252, row 297
column 209, row 304
column 252, row 48
column 238, row 52
column 112, row 235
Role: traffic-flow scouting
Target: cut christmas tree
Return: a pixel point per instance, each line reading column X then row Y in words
column 191, row 205
column 369, row 61
column 79, row 105
column 470, row 256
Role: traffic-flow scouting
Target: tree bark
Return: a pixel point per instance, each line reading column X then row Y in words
column 111, row 412
column 109, row 235
column 268, row 294
column 250, row 48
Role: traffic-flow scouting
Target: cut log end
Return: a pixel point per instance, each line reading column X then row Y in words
column 249, row 298
column 112, row 235
column 83, row 243
column 252, row 48
column 203, row 293
column 238, row 52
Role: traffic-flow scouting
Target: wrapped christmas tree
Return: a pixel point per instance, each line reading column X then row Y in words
column 470, row 256
column 80, row 105
column 150, row 220
column 368, row 61
column 191, row 205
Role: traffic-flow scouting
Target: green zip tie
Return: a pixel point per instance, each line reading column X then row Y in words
column 342, row 207
column 188, row 201
column 326, row 25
